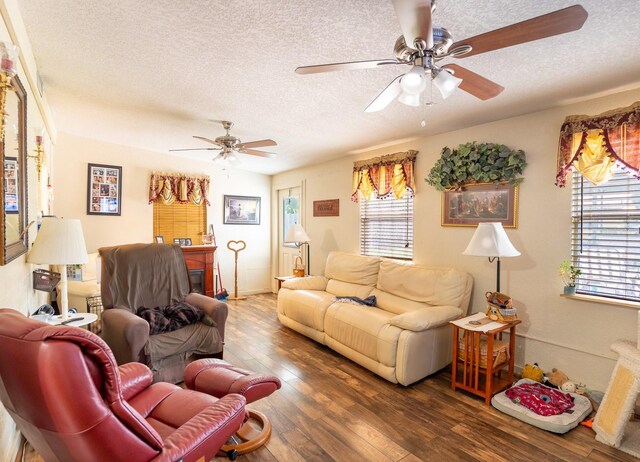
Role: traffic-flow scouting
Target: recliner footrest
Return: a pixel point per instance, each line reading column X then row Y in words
column 219, row 378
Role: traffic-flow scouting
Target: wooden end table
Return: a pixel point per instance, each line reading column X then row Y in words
column 468, row 374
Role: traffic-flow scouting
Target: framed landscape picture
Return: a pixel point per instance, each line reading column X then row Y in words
column 104, row 190
column 241, row 210
column 484, row 202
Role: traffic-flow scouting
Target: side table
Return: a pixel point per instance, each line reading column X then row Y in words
column 467, row 370
column 87, row 318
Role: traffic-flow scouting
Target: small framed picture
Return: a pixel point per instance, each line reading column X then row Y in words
column 159, row 239
column 187, row 241
column 176, row 240
column 74, row 272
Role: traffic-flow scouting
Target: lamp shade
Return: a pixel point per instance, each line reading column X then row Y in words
column 490, row 240
column 297, row 233
column 446, row 83
column 59, row 242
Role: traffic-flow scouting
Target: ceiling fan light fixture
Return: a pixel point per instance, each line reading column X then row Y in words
column 446, row 82
column 414, row 81
column 409, row 99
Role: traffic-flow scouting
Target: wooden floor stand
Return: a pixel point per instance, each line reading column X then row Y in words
column 241, row 245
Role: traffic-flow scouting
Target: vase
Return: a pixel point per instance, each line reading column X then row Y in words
column 569, row 290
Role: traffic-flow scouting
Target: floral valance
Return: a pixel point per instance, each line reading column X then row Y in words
column 169, row 188
column 594, row 144
column 384, row 177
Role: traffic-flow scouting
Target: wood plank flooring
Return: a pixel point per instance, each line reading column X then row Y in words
column 329, row 408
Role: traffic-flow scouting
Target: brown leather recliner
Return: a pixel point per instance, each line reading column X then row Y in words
column 62, row 387
column 155, row 275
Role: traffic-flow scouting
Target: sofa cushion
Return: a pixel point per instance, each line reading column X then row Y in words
column 307, row 307
column 348, row 289
column 426, row 318
column 364, row 329
column 352, row 268
column 435, row 286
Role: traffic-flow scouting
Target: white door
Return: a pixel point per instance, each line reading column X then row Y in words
column 288, row 214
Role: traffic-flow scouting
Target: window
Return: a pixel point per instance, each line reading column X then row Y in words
column 605, row 236
column 178, row 220
column 386, row 227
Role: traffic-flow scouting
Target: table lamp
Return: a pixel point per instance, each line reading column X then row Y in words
column 59, row 242
column 490, row 240
column 297, row 235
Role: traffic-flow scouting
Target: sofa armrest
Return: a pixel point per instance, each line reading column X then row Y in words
column 213, row 307
column 306, row 283
column 426, row 318
column 126, row 334
column 134, row 378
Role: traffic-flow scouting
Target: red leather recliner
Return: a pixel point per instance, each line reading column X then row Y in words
column 72, row 402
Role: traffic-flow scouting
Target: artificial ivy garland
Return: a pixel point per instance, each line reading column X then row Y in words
column 477, row 163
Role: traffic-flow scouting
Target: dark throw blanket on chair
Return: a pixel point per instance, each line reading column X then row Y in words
column 171, row 317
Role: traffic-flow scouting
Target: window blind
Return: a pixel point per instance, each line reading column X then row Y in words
column 178, row 220
column 386, row 228
column 605, row 236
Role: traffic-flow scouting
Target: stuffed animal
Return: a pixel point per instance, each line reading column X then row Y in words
column 568, row 387
column 557, row 378
column 533, row 372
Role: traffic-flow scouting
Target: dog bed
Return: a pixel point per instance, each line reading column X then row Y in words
column 561, row 423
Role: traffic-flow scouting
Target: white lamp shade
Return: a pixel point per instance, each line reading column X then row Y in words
column 446, row 83
column 414, row 81
column 490, row 240
column 410, row 100
column 297, row 233
column 59, row 242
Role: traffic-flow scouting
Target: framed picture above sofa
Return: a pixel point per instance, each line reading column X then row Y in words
column 241, row 210
column 483, row 202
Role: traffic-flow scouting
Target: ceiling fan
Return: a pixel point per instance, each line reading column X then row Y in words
column 229, row 145
column 423, row 45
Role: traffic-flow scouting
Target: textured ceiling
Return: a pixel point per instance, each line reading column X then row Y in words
column 151, row 74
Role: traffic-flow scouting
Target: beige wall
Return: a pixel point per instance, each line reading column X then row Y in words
column 556, row 332
column 73, row 154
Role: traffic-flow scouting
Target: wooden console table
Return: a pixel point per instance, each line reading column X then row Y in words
column 199, row 259
column 467, row 371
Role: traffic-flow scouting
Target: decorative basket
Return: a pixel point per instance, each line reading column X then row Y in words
column 500, row 307
column 500, row 352
column 298, row 268
column 45, row 280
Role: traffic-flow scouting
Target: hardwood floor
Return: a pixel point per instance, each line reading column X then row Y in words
column 329, row 408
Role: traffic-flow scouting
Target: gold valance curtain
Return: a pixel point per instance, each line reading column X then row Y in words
column 594, row 144
column 176, row 187
column 383, row 177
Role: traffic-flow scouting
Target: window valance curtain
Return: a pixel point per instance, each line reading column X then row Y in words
column 383, row 177
column 594, row 144
column 177, row 187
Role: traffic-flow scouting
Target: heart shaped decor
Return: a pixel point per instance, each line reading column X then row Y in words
column 236, row 246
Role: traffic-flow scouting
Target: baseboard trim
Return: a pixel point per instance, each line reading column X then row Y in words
column 568, row 347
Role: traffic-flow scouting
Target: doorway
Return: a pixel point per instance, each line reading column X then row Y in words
column 289, row 213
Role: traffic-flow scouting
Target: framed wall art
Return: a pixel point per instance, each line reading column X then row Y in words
column 484, row 202
column 326, row 208
column 104, row 190
column 241, row 210
column 11, row 185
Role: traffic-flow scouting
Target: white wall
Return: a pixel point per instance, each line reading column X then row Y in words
column 555, row 332
column 73, row 153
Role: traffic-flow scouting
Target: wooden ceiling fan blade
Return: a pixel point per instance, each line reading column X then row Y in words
column 386, row 96
column 352, row 65
column 205, row 139
column 255, row 152
column 196, row 149
column 475, row 84
column 559, row 22
column 414, row 17
column 257, row 144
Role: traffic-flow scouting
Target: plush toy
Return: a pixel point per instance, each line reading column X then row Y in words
column 533, row 372
column 568, row 387
column 556, row 378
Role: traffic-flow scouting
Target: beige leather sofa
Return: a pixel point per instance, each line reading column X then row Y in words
column 404, row 338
